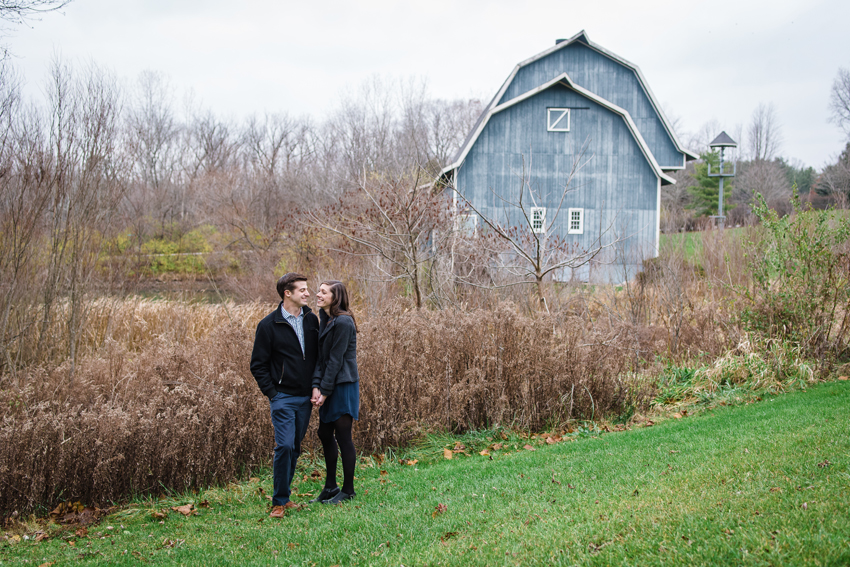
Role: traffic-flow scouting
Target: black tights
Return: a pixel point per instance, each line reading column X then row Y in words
column 341, row 428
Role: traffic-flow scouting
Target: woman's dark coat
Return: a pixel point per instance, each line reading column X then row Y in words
column 337, row 363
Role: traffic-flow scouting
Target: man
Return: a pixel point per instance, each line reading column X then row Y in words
column 283, row 361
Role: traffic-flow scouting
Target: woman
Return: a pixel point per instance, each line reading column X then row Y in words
column 336, row 388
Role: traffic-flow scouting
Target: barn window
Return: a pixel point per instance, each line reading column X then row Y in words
column 576, row 217
column 538, row 219
column 558, row 120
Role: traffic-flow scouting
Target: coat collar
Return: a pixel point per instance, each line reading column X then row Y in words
column 278, row 314
column 325, row 322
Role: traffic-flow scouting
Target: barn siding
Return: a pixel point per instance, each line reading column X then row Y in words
column 618, row 188
column 610, row 80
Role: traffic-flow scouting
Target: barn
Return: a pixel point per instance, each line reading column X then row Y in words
column 575, row 104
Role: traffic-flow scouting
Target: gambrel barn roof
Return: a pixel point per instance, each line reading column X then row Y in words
column 559, row 64
column 565, row 80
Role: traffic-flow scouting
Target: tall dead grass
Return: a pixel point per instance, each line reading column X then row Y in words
column 160, row 396
column 164, row 398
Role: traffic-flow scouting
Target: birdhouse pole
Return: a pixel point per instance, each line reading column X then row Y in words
column 722, row 141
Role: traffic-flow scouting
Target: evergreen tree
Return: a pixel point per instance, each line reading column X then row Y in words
column 802, row 177
column 706, row 191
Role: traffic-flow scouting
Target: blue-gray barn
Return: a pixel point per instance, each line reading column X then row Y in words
column 575, row 95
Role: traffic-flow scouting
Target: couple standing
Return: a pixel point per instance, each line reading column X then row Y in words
column 301, row 361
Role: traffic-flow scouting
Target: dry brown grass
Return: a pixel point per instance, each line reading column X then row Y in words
column 164, row 399
column 161, row 396
column 179, row 409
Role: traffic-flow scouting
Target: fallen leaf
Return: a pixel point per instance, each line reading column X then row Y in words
column 459, row 446
column 439, row 509
column 378, row 459
column 497, row 446
column 53, row 562
column 316, row 473
column 677, row 415
column 649, row 423
column 528, row 448
column 551, row 440
column 383, row 473
column 824, row 464
column 186, row 510
column 81, row 532
column 204, row 504
column 558, row 482
column 484, row 453
column 844, row 377
column 159, row 514
column 412, row 462
column 776, row 489
column 253, row 479
column 447, row 536
column 570, row 486
column 805, row 506
column 447, row 453
column 503, row 436
column 291, row 545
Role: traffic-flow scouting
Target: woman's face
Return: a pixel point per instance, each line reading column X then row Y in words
column 324, row 297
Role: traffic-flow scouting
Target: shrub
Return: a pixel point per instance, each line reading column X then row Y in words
column 800, row 280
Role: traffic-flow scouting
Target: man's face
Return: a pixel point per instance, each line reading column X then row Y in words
column 299, row 295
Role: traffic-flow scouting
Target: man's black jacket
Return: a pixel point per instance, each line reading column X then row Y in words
column 277, row 362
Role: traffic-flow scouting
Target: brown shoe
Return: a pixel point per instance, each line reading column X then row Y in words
column 280, row 511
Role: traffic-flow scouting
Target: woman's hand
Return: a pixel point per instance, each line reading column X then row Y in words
column 317, row 399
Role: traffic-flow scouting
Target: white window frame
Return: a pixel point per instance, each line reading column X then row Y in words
column 578, row 229
column 562, row 120
column 533, row 213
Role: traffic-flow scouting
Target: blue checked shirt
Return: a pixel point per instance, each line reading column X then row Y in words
column 297, row 324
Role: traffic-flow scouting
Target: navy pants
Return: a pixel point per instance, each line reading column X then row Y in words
column 290, row 418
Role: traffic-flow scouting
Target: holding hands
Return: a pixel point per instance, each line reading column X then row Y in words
column 317, row 399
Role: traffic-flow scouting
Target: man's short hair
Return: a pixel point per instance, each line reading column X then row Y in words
column 287, row 282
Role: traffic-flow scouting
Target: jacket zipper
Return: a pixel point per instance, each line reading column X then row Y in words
column 303, row 354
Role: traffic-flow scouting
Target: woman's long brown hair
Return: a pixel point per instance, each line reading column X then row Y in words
column 339, row 303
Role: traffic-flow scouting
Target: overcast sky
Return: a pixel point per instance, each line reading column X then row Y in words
column 703, row 60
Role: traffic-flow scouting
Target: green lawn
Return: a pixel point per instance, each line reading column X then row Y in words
column 761, row 484
column 691, row 242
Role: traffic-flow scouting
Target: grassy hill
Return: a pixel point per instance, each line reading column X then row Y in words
column 758, row 484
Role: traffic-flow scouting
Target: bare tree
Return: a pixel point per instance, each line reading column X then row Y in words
column 24, row 197
column 19, row 11
column 85, row 188
column 535, row 250
column 153, row 141
column 395, row 222
column 835, row 180
column 448, row 122
column 764, row 133
column 839, row 100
